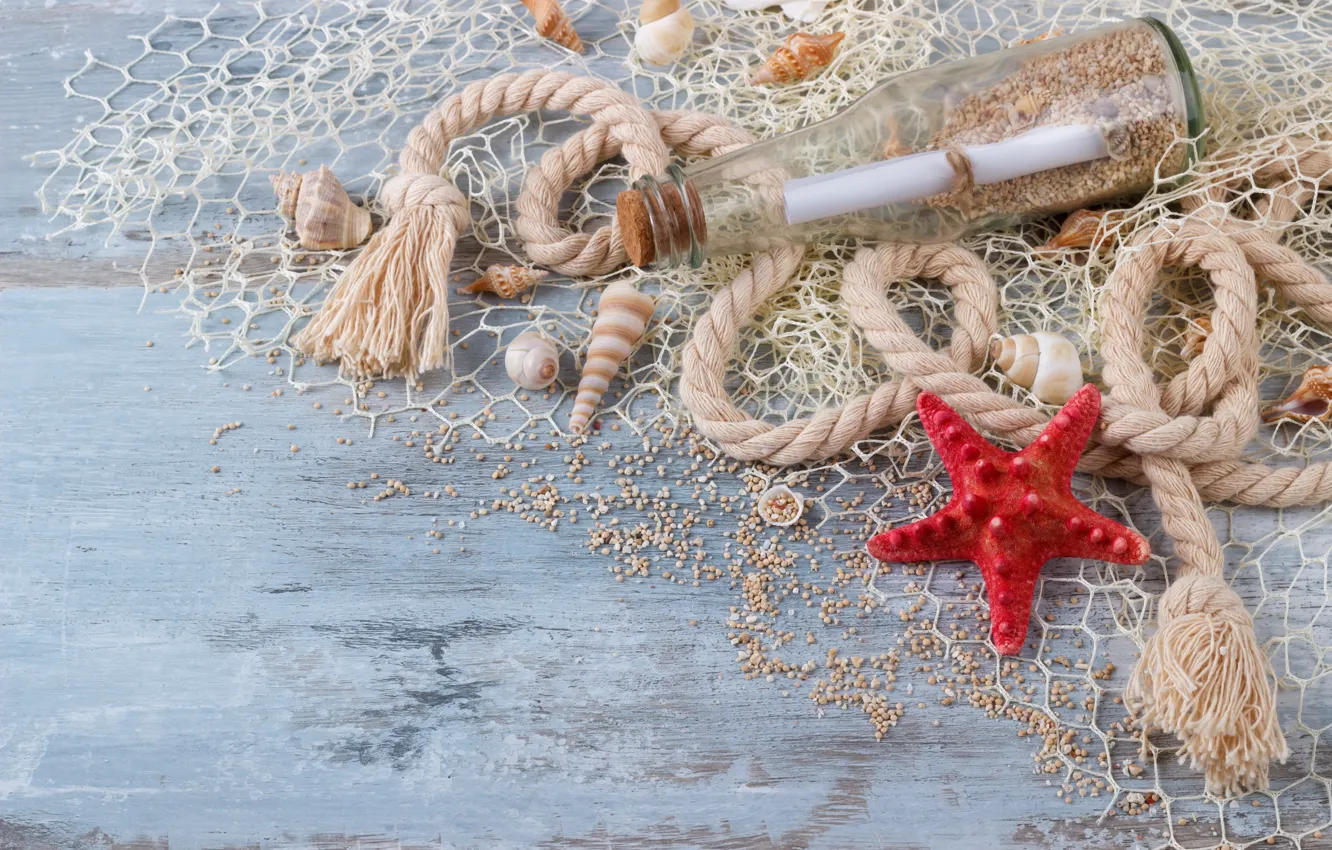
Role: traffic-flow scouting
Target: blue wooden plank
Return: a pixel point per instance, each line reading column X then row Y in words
column 286, row 662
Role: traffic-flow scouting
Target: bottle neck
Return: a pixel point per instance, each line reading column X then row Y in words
column 675, row 218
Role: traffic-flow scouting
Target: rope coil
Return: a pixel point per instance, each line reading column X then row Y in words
column 1202, row 675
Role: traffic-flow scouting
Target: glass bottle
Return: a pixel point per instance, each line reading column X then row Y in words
column 1049, row 126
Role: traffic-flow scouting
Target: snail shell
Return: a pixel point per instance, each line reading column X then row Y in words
column 1083, row 228
column 801, row 56
column 532, row 360
column 326, row 218
column 1312, row 400
column 1045, row 363
column 622, row 316
column 664, row 33
column 505, row 281
column 553, row 22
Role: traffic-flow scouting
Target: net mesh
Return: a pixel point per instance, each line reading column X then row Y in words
column 198, row 114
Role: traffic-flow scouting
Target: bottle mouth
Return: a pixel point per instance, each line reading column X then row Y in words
column 661, row 221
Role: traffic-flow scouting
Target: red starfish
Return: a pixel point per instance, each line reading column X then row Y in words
column 1011, row 511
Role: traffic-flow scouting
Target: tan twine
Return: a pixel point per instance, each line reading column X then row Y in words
column 1202, row 676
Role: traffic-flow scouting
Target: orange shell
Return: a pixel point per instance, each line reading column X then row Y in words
column 1195, row 337
column 800, row 57
column 553, row 22
column 505, row 281
column 1312, row 400
column 1084, row 228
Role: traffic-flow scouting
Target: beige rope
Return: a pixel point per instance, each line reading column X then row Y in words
column 1203, row 675
column 388, row 315
column 1209, row 445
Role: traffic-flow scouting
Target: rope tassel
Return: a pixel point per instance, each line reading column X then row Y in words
column 1204, row 679
column 389, row 316
column 389, row 313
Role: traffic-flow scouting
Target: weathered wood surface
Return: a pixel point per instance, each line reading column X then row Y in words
column 286, row 667
column 286, row 662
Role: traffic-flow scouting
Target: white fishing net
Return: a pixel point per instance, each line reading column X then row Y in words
column 198, row 115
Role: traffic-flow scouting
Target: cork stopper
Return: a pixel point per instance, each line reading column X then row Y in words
column 635, row 227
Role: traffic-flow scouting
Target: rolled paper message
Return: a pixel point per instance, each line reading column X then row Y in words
column 914, row 177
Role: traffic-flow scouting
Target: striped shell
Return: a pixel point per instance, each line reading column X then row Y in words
column 1045, row 363
column 287, row 187
column 326, row 219
column 505, row 281
column 800, row 57
column 622, row 317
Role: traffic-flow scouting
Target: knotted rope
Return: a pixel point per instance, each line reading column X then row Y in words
column 388, row 314
column 1202, row 676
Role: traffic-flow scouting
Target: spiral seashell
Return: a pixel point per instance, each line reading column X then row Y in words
column 1045, row 363
column 1312, row 400
column 326, row 219
column 1083, row 228
column 1195, row 337
column 553, row 22
column 532, row 360
column 287, row 186
column 505, row 281
column 622, row 316
column 664, row 33
column 800, row 57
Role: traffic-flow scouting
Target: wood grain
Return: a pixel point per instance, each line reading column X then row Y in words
column 289, row 664
column 285, row 666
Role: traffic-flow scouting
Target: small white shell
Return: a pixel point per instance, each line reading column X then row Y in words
column 664, row 33
column 1045, row 363
column 780, row 506
column 532, row 361
column 805, row 11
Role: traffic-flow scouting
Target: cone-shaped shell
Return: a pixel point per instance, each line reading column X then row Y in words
column 326, row 219
column 801, row 56
column 532, row 360
column 505, row 281
column 553, row 23
column 1312, row 400
column 664, row 33
column 1045, row 363
column 622, row 316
